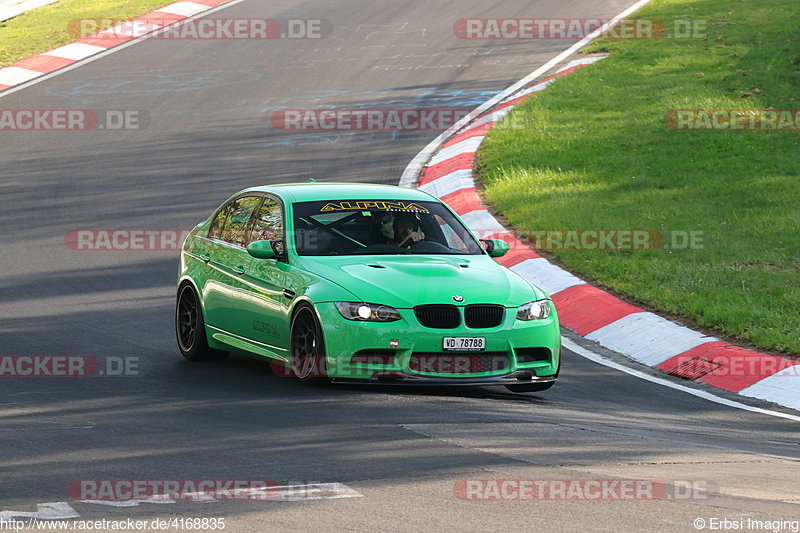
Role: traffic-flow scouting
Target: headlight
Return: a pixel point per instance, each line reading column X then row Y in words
column 534, row 310
column 367, row 312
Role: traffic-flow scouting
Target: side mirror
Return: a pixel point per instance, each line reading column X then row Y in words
column 265, row 249
column 495, row 247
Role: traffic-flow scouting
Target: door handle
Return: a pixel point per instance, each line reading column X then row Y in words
column 205, row 258
column 239, row 270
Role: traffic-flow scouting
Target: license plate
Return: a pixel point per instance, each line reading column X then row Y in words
column 464, row 344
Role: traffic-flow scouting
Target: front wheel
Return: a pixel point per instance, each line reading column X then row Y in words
column 307, row 347
column 190, row 328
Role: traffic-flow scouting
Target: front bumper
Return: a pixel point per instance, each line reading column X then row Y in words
column 407, row 340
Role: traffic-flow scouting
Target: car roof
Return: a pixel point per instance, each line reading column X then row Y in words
column 309, row 192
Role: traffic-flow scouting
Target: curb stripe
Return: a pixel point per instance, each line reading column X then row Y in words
column 126, row 29
column 210, row 3
column 459, row 162
column 739, row 368
column 648, row 338
column 481, row 223
column 14, row 75
column 75, row 51
column 546, row 275
column 585, row 308
column 44, row 63
column 187, row 9
column 449, row 183
column 541, row 86
column 464, row 147
column 490, row 117
column 105, row 42
column 159, row 18
column 479, row 130
column 780, row 388
column 463, row 201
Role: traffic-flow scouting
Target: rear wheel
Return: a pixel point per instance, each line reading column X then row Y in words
column 307, row 347
column 190, row 328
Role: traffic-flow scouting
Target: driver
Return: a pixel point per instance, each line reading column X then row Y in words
column 405, row 234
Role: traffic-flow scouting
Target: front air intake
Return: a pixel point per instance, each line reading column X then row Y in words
column 484, row 316
column 438, row 316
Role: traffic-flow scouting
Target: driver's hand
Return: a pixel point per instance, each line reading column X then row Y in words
column 416, row 236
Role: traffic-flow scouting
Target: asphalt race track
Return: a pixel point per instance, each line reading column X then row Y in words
column 207, row 135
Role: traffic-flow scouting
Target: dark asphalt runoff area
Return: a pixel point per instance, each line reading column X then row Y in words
column 405, row 451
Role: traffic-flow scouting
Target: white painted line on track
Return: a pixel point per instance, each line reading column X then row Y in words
column 599, row 359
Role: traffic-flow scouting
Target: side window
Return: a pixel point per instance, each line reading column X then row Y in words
column 237, row 220
column 268, row 224
column 215, row 232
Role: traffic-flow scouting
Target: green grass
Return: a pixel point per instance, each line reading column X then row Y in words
column 594, row 152
column 47, row 27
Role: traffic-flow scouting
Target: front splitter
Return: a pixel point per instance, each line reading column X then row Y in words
column 515, row 378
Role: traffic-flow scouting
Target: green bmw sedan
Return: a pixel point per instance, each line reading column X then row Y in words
column 360, row 283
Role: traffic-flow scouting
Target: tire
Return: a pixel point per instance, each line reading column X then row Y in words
column 190, row 328
column 307, row 347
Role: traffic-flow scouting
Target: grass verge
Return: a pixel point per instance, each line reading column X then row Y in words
column 594, row 152
column 48, row 27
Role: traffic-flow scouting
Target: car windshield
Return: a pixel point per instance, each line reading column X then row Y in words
column 365, row 227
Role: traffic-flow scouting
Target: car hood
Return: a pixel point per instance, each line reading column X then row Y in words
column 403, row 281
